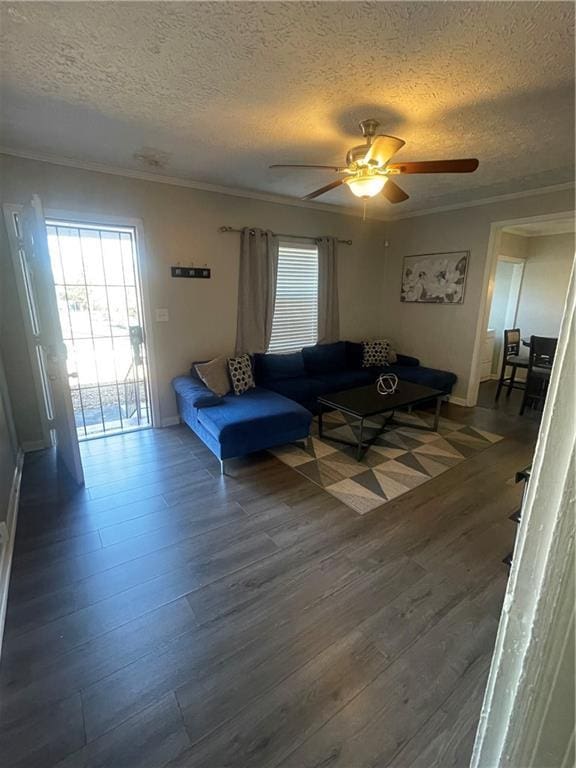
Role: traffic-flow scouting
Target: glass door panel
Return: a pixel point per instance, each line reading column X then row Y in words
column 95, row 271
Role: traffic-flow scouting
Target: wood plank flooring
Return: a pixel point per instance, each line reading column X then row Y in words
column 167, row 616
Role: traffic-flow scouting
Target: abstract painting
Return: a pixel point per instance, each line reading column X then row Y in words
column 435, row 278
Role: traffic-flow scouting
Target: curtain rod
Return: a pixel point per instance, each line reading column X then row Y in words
column 280, row 234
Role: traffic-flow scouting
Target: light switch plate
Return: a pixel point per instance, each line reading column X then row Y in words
column 162, row 316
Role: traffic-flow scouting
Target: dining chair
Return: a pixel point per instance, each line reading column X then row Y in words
column 513, row 357
column 540, row 361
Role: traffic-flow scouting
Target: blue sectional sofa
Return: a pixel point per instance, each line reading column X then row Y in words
column 279, row 409
column 303, row 376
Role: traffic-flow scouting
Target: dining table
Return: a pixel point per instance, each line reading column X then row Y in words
column 526, row 341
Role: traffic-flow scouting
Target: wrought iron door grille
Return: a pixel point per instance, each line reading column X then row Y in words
column 95, row 273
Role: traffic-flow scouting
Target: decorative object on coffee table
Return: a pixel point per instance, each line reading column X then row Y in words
column 435, row 278
column 387, row 383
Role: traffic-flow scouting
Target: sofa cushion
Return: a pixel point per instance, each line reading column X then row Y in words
column 271, row 366
column 207, row 401
column 325, row 358
column 354, row 353
column 406, row 360
column 347, row 379
column 428, row 377
column 304, row 390
column 193, row 390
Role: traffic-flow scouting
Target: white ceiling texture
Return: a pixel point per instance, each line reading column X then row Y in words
column 216, row 91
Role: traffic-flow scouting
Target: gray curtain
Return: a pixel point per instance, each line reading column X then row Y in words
column 328, row 305
column 256, row 290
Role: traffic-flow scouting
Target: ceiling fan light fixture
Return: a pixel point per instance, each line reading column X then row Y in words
column 368, row 167
column 366, row 186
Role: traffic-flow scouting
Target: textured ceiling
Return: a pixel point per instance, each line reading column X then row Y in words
column 214, row 92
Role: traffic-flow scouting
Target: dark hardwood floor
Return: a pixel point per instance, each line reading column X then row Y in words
column 168, row 616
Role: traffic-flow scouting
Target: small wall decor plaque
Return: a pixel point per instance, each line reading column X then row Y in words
column 190, row 272
column 435, row 278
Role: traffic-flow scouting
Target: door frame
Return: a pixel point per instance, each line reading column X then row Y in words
column 483, row 317
column 142, row 275
column 519, row 262
column 9, row 210
column 534, row 632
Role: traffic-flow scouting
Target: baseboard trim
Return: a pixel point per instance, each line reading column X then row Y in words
column 7, row 536
column 458, row 401
column 170, row 421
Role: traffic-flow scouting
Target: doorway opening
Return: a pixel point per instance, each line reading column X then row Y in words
column 96, row 278
column 503, row 311
column 535, row 291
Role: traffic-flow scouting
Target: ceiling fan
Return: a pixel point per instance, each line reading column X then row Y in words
column 368, row 168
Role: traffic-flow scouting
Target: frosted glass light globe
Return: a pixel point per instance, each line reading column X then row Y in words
column 367, row 186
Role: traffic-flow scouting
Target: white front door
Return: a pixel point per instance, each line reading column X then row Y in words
column 50, row 350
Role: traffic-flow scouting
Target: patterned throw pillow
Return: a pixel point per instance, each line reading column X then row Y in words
column 241, row 374
column 375, row 353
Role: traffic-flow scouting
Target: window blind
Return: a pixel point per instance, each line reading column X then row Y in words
column 295, row 322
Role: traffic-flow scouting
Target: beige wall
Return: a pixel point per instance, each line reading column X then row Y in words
column 513, row 246
column 181, row 224
column 444, row 336
column 549, row 261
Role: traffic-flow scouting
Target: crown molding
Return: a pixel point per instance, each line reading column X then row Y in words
column 485, row 201
column 267, row 197
column 270, row 197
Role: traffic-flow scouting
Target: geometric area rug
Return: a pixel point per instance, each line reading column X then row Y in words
column 402, row 458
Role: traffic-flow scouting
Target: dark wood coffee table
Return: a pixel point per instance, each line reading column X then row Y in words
column 364, row 402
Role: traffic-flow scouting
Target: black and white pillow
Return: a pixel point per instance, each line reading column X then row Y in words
column 375, row 353
column 241, row 374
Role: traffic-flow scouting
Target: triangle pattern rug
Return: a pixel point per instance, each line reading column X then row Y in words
column 401, row 459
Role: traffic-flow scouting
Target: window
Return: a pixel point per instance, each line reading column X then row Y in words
column 295, row 323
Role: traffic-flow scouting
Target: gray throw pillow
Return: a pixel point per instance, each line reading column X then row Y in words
column 215, row 375
column 241, row 374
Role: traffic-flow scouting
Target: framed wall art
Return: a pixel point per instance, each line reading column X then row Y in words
column 435, row 278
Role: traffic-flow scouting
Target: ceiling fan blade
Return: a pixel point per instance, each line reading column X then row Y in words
column 465, row 165
column 382, row 149
column 325, row 167
column 322, row 190
column 393, row 193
